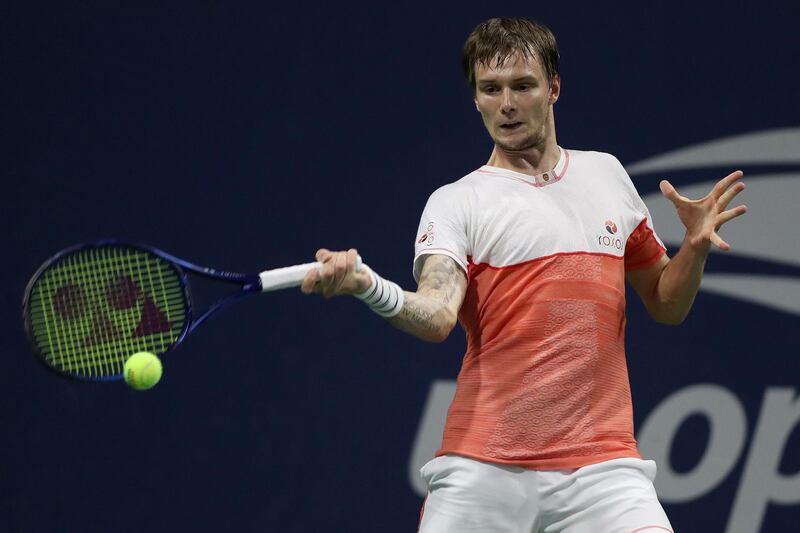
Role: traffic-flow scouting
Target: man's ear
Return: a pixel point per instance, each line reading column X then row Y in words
column 555, row 89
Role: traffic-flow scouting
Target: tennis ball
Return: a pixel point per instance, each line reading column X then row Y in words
column 142, row 370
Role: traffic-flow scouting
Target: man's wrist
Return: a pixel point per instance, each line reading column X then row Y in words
column 697, row 244
column 384, row 297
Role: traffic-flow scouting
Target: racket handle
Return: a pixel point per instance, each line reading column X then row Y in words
column 286, row 277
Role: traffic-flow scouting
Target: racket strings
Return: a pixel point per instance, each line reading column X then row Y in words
column 94, row 308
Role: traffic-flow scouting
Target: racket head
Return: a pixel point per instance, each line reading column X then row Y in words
column 93, row 305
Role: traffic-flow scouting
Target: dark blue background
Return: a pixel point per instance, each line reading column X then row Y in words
column 246, row 137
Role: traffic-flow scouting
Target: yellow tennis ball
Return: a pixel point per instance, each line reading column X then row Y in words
column 142, row 370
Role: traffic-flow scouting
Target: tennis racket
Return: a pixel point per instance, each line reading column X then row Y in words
column 91, row 306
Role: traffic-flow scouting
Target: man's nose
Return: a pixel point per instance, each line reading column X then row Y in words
column 508, row 105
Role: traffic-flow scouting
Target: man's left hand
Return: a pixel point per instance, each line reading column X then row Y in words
column 703, row 218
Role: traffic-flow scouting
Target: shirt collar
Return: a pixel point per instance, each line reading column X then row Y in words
column 538, row 180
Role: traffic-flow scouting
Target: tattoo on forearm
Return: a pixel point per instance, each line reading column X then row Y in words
column 413, row 311
column 427, row 312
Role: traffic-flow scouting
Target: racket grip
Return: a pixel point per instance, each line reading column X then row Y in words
column 292, row 276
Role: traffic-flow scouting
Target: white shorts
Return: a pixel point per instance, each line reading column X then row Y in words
column 614, row 496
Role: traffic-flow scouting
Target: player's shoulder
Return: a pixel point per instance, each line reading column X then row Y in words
column 593, row 162
column 459, row 188
column 593, row 157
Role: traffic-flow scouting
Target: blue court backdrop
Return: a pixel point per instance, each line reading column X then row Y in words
column 247, row 137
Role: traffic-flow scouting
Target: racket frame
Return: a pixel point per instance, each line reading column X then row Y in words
column 249, row 284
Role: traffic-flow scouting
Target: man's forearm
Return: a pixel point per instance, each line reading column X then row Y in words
column 678, row 284
column 674, row 293
column 424, row 317
column 431, row 313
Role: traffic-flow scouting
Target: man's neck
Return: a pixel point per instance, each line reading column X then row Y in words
column 532, row 161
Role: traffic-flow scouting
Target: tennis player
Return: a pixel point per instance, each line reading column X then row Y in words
column 530, row 252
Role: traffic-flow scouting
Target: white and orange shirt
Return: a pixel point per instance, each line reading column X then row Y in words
column 544, row 382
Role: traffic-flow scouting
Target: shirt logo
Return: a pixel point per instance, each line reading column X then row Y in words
column 610, row 242
column 427, row 236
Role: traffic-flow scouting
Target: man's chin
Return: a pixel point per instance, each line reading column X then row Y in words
column 518, row 146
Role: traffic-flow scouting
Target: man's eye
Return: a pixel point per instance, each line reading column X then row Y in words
column 523, row 87
column 490, row 89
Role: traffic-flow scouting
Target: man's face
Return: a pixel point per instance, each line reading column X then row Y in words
column 515, row 102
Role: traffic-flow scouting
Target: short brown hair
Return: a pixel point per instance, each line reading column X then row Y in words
column 503, row 37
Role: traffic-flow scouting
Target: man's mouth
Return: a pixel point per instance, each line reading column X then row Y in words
column 511, row 126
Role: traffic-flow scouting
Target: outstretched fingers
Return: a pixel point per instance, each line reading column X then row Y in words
column 717, row 241
column 671, row 194
column 728, row 195
column 730, row 214
column 723, row 186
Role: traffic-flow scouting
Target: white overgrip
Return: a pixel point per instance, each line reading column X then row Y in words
column 286, row 277
column 291, row 276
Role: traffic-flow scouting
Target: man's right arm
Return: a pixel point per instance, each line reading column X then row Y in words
column 431, row 312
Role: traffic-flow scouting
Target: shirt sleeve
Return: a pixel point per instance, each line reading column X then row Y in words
column 643, row 247
column 442, row 229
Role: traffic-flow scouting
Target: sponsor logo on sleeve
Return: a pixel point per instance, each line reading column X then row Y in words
column 427, row 236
